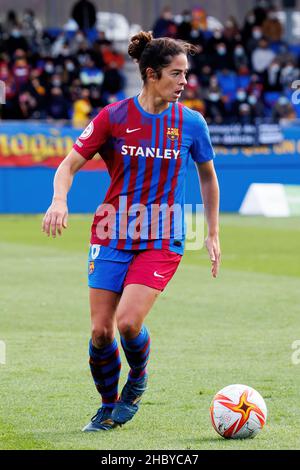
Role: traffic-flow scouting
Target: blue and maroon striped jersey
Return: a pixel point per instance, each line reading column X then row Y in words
column 147, row 157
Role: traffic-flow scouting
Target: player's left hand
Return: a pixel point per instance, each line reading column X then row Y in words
column 213, row 247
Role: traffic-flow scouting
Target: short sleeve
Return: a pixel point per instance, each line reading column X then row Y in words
column 94, row 135
column 201, row 149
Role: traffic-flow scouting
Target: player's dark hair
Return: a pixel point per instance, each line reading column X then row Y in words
column 156, row 53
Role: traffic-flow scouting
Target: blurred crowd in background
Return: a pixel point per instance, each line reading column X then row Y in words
column 68, row 76
column 242, row 72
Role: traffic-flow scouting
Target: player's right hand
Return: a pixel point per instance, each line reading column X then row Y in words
column 56, row 218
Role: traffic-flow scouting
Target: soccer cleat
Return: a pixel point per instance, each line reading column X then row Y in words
column 129, row 401
column 101, row 421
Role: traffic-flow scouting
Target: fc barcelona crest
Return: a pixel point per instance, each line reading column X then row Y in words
column 173, row 133
column 91, row 267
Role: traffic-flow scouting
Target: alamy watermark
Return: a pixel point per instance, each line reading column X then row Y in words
column 296, row 354
column 2, row 92
column 138, row 222
column 2, row 352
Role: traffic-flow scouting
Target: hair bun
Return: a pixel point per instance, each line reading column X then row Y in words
column 138, row 44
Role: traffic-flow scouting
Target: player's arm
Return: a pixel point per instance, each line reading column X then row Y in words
column 56, row 217
column 210, row 197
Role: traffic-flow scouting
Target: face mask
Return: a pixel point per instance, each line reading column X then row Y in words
column 244, row 108
column 251, row 19
column 70, row 67
column 214, row 96
column 239, row 51
column 221, row 50
column 16, row 33
column 288, row 69
column 241, row 95
column 257, row 34
column 283, row 101
column 56, row 82
column 65, row 52
column 49, row 68
column 79, row 38
column 274, row 68
column 217, row 35
column 252, row 99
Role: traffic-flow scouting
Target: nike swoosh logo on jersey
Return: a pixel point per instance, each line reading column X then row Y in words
column 158, row 275
column 128, row 131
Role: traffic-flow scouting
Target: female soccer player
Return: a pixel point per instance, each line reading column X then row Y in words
column 137, row 238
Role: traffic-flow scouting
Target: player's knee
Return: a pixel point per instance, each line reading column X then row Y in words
column 102, row 337
column 128, row 329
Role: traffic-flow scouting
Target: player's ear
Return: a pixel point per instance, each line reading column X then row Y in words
column 151, row 74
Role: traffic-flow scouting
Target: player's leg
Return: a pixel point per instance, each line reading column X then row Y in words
column 135, row 303
column 104, row 357
column 147, row 276
column 107, row 271
column 105, row 363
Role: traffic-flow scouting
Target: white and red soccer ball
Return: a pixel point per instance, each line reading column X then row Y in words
column 238, row 412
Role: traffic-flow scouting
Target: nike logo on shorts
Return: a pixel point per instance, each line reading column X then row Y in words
column 128, row 131
column 158, row 275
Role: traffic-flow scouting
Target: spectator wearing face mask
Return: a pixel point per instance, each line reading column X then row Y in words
column 15, row 41
column 240, row 58
column 240, row 98
column 78, row 40
column 184, row 27
column 58, row 106
column 71, row 70
column 257, row 107
column 213, row 41
column 244, row 115
column 262, row 56
column 221, row 59
column 214, row 105
column 288, row 74
column 272, row 28
column 253, row 41
column 20, row 68
column 271, row 77
column 215, row 109
column 231, row 34
column 48, row 67
column 249, row 23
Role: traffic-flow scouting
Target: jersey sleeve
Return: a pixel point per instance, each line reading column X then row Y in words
column 201, row 148
column 94, row 135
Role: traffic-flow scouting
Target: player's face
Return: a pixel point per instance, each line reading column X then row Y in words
column 173, row 79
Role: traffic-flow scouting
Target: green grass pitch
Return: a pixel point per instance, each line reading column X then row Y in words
column 206, row 334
